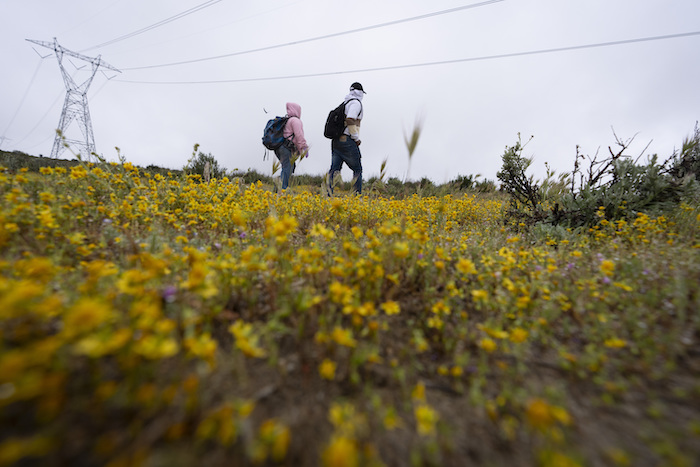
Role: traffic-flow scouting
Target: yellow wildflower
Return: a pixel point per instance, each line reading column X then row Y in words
column 542, row 415
column 440, row 307
column 607, row 267
column 434, row 322
column 615, row 343
column 37, row 268
column 623, row 286
column 487, row 344
column 11, row 227
column 276, row 437
column 466, row 266
column 392, row 420
column 319, row 230
column 366, row 309
column 518, row 335
column 418, row 393
column 246, row 339
column 341, row 452
column 495, row 333
column 343, row 337
column 391, row 307
column 539, row 413
column 550, row 458
column 340, row 293
column 327, row 369
column 479, row 295
column 426, row 419
column 13, row 450
column 86, row 315
column 401, row 249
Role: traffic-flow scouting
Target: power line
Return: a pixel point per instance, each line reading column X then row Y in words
column 327, row 36
column 3, row 139
column 237, row 20
column 425, row 64
column 21, row 102
column 40, row 121
column 90, row 18
column 158, row 24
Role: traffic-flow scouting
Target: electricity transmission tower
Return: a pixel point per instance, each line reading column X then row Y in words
column 75, row 107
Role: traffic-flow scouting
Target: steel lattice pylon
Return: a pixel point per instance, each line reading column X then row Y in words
column 75, row 107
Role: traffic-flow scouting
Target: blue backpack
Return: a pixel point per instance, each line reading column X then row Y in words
column 273, row 136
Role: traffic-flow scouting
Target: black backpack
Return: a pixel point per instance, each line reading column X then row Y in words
column 335, row 123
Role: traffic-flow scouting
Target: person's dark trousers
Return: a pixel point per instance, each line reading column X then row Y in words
column 284, row 154
column 344, row 149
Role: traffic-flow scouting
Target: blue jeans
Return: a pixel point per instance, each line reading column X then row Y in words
column 349, row 152
column 284, row 154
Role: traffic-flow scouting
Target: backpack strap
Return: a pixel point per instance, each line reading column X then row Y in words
column 353, row 99
column 290, row 138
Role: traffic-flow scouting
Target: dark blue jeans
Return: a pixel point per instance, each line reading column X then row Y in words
column 284, row 154
column 349, row 152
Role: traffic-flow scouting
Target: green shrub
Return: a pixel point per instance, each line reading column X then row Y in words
column 524, row 193
column 306, row 179
column 205, row 165
column 687, row 162
column 472, row 183
column 16, row 160
column 486, row 186
column 615, row 187
column 252, row 176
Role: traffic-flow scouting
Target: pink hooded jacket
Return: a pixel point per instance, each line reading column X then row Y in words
column 295, row 127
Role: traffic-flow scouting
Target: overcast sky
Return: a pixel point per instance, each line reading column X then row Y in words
column 498, row 80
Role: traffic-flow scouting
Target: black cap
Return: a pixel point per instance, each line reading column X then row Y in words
column 357, row 86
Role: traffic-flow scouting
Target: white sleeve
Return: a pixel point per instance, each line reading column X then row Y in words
column 353, row 109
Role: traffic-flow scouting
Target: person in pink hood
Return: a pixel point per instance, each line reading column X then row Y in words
column 295, row 146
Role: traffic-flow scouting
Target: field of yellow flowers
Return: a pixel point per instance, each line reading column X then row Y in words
column 151, row 320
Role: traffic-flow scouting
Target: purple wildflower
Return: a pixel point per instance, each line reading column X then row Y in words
column 169, row 293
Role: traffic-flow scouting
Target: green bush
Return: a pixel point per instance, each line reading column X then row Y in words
column 687, row 163
column 524, row 193
column 198, row 165
column 309, row 180
column 631, row 188
column 251, row 176
column 616, row 187
column 472, row 183
column 16, row 160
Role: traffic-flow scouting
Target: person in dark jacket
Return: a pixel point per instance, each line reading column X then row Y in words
column 346, row 147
